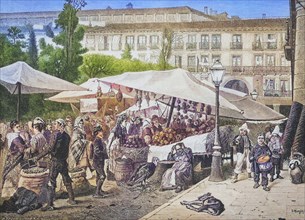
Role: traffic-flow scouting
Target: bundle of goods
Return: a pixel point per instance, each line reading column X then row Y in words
column 79, row 182
column 34, row 179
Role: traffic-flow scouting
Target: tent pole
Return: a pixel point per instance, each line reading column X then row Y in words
column 18, row 101
column 171, row 111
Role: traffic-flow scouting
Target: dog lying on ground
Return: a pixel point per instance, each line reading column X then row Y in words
column 205, row 203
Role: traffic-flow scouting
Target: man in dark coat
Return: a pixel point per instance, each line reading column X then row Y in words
column 59, row 150
column 261, row 163
column 98, row 153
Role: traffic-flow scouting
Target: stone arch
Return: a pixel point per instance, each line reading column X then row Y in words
column 238, row 85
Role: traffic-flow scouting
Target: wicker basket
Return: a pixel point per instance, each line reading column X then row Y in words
column 137, row 155
column 34, row 181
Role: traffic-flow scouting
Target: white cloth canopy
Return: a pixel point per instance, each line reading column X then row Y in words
column 182, row 84
column 174, row 83
column 32, row 81
column 74, row 96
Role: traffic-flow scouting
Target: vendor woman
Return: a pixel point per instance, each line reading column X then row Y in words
column 156, row 126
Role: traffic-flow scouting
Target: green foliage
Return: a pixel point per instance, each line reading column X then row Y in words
column 45, row 109
column 10, row 53
column 49, row 31
column 50, row 61
column 8, row 104
column 15, row 34
column 70, row 39
column 166, row 49
column 96, row 66
column 32, row 49
column 127, row 52
column 42, row 44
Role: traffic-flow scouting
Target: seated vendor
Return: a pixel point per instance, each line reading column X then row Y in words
column 179, row 176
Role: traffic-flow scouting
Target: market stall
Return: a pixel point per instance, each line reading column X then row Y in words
column 180, row 115
column 185, row 114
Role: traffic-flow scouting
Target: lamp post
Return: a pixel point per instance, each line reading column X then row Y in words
column 217, row 72
column 254, row 94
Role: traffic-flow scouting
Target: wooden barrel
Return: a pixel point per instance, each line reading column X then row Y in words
column 34, row 179
column 123, row 169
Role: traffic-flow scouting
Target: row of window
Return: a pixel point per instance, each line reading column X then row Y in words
column 206, row 41
column 139, row 17
column 204, row 60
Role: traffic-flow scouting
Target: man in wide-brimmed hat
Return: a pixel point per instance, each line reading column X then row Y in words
column 243, row 146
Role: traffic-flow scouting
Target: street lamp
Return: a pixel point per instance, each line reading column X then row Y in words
column 217, row 72
column 254, row 94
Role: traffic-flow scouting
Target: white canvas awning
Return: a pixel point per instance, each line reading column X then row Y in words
column 174, row 83
column 19, row 78
column 74, row 96
column 182, row 84
column 32, row 81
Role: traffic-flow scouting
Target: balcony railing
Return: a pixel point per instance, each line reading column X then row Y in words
column 131, row 45
column 264, row 45
column 277, row 93
column 178, row 46
column 103, row 46
column 191, row 46
column 216, row 46
column 204, row 45
column 236, row 45
column 142, row 47
column 258, row 70
column 154, row 46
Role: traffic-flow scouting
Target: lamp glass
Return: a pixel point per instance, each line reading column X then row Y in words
column 217, row 72
column 254, row 94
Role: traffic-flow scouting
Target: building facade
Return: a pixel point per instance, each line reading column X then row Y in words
column 252, row 51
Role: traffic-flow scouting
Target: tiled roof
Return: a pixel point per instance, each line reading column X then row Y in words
column 183, row 9
column 233, row 24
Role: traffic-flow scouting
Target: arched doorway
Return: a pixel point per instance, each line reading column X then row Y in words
column 237, row 85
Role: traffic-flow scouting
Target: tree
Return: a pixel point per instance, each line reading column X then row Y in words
column 14, row 34
column 97, row 66
column 127, row 53
column 10, row 53
column 49, row 31
column 32, row 48
column 166, row 49
column 70, row 39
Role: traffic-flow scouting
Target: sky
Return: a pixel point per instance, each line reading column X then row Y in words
column 241, row 8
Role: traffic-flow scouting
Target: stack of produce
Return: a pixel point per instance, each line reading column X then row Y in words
column 135, row 141
column 164, row 137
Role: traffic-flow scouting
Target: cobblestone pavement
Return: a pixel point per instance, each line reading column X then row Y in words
column 284, row 201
